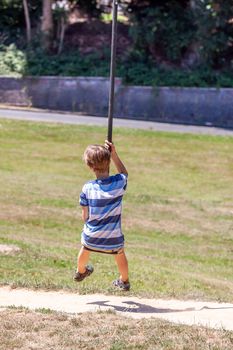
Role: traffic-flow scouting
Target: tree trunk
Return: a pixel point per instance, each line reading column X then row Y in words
column 47, row 25
column 192, row 57
column 62, row 34
column 27, row 20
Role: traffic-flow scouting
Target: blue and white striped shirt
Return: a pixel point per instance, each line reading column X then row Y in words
column 102, row 230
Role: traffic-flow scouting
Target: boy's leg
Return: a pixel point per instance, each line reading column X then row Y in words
column 122, row 264
column 83, row 258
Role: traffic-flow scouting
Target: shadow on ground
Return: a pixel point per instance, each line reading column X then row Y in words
column 135, row 307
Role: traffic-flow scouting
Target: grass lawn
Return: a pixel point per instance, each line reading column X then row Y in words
column 177, row 217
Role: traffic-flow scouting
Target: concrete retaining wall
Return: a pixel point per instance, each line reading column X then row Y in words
column 200, row 106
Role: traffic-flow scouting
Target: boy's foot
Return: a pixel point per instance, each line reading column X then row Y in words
column 78, row 277
column 121, row 285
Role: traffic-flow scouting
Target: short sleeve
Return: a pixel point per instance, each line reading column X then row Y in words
column 83, row 201
column 124, row 178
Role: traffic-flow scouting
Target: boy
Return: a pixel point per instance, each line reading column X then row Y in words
column 101, row 202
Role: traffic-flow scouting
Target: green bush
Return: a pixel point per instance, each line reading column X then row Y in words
column 139, row 69
column 135, row 69
column 67, row 64
column 12, row 60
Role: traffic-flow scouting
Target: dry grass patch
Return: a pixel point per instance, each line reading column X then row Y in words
column 23, row 329
column 8, row 249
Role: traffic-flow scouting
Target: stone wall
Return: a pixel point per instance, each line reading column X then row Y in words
column 198, row 106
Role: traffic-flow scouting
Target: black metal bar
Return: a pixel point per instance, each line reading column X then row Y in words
column 112, row 69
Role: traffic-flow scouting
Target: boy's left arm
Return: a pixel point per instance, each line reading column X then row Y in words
column 85, row 213
column 83, row 201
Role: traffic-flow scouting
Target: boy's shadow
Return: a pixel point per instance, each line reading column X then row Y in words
column 135, row 307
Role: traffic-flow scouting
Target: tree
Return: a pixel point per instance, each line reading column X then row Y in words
column 27, row 20
column 47, row 25
column 214, row 22
column 61, row 10
column 186, row 33
column 162, row 29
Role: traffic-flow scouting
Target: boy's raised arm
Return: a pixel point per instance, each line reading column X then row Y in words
column 116, row 159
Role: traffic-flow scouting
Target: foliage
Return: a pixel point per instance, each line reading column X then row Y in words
column 164, row 29
column 12, row 60
column 12, row 22
column 173, row 42
column 71, row 64
column 90, row 7
column 134, row 69
column 138, row 69
column 173, row 29
column 11, row 13
column 214, row 22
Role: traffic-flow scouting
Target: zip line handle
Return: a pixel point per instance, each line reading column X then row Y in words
column 112, row 69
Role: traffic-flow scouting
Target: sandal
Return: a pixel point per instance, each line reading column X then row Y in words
column 121, row 285
column 78, row 277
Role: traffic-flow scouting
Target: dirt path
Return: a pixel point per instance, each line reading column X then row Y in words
column 213, row 315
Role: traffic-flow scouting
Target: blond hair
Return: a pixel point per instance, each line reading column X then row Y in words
column 97, row 157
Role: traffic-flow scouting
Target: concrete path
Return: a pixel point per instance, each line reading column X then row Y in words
column 69, row 118
column 209, row 314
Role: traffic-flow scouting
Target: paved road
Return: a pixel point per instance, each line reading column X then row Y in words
column 69, row 118
column 208, row 314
